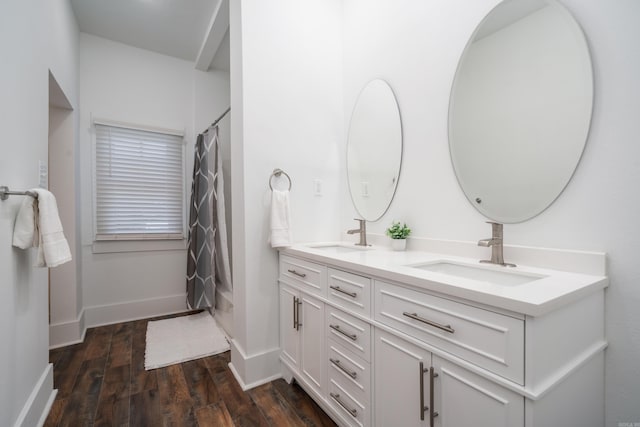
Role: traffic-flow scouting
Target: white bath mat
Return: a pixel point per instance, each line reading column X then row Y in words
column 181, row 339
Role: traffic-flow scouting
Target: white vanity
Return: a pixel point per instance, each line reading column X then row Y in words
column 382, row 338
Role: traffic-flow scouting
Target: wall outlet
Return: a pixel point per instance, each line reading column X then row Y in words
column 317, row 187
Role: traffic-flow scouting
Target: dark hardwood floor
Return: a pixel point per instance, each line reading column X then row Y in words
column 102, row 382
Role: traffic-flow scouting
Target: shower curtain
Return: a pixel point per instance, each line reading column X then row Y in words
column 208, row 255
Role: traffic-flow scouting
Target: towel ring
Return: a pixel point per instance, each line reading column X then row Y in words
column 277, row 173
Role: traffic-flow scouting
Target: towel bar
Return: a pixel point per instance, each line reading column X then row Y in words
column 277, row 173
column 5, row 193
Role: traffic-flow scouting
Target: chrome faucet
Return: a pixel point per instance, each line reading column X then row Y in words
column 495, row 242
column 362, row 230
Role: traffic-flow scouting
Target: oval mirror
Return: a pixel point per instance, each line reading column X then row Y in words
column 520, row 109
column 374, row 150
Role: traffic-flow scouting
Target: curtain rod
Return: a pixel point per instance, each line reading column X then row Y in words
column 215, row 122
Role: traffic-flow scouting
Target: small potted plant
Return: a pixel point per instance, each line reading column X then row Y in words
column 398, row 234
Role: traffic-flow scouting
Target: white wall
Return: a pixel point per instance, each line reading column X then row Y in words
column 286, row 83
column 32, row 41
column 122, row 83
column 415, row 46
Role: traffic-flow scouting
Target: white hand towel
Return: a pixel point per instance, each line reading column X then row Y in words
column 46, row 232
column 280, row 219
column 25, row 234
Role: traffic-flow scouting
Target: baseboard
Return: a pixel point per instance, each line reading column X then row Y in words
column 257, row 369
column 67, row 333
column 35, row 410
column 100, row 315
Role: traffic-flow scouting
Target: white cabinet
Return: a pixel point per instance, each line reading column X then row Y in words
column 302, row 336
column 401, row 383
column 463, row 399
column 416, row 388
column 374, row 353
column 289, row 336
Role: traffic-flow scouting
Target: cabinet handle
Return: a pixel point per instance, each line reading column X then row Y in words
column 336, row 397
column 339, row 289
column 295, row 318
column 298, row 304
column 336, row 328
column 423, row 408
column 336, row 362
column 297, row 274
column 433, row 414
column 415, row 316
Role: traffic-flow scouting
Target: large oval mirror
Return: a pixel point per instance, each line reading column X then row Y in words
column 520, row 109
column 374, row 150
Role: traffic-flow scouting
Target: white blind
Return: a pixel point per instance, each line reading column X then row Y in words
column 139, row 184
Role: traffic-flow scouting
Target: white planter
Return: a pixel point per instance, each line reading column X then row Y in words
column 398, row 244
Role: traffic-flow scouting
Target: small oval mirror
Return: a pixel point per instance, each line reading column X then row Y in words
column 520, row 109
column 374, row 150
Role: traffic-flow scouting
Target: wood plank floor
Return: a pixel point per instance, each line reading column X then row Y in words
column 102, row 382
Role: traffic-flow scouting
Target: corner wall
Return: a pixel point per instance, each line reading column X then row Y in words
column 416, row 46
column 33, row 40
column 286, row 84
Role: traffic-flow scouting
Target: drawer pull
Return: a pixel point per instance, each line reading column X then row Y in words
column 336, row 328
column 415, row 316
column 339, row 289
column 336, row 397
column 297, row 274
column 336, row 362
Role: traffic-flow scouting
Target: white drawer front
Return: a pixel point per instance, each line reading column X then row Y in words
column 356, row 412
column 307, row 275
column 350, row 291
column 490, row 340
column 350, row 371
column 352, row 333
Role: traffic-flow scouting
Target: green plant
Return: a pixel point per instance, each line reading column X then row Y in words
column 397, row 231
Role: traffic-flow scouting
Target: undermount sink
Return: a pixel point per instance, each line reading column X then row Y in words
column 482, row 274
column 337, row 249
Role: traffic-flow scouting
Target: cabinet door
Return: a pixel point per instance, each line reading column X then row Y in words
column 464, row 399
column 313, row 361
column 401, row 383
column 289, row 336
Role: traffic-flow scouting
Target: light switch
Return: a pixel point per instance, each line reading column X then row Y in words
column 43, row 174
column 317, row 187
column 364, row 188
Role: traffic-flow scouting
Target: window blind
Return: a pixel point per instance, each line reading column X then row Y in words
column 139, row 184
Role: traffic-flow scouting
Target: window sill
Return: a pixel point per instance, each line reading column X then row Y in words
column 113, row 246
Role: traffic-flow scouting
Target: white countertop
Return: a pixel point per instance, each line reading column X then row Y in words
column 549, row 291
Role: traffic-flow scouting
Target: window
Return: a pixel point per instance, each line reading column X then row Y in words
column 139, row 186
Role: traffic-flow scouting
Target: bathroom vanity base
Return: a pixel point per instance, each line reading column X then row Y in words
column 377, row 352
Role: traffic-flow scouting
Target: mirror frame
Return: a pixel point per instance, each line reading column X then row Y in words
column 396, row 106
column 583, row 132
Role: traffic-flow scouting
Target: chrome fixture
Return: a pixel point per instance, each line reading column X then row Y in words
column 5, row 193
column 495, row 242
column 277, row 172
column 362, row 230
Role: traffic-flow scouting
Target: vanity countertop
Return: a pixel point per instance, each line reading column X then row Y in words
column 544, row 290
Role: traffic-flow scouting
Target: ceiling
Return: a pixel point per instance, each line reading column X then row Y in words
column 176, row 28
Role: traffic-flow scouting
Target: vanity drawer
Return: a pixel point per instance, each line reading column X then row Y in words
column 308, row 276
column 352, row 333
column 350, row 291
column 356, row 412
column 350, row 371
column 490, row 340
